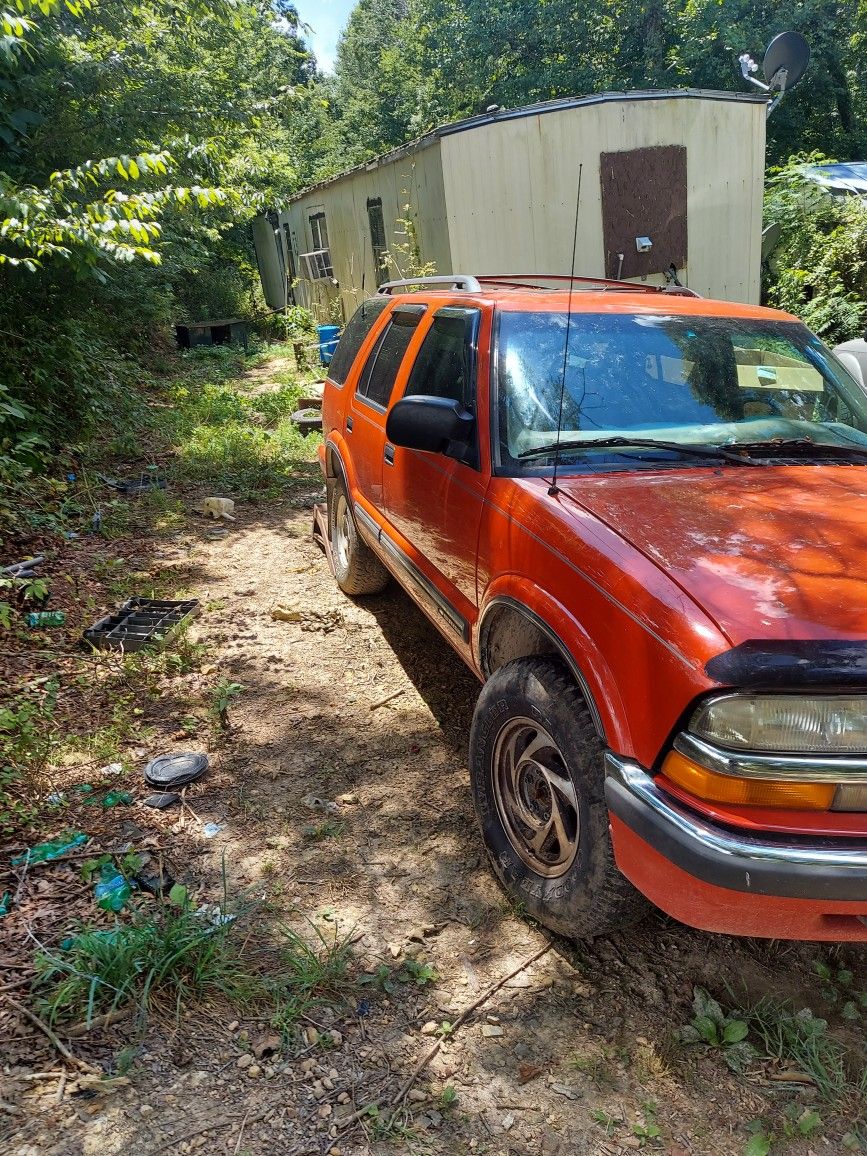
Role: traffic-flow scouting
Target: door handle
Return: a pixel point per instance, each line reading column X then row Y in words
column 349, row 424
column 389, row 454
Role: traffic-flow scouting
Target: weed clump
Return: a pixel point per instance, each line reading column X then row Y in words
column 176, row 954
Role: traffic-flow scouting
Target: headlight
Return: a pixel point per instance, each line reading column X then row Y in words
column 785, row 723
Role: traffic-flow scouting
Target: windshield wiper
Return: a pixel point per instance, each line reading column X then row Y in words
column 695, row 451
column 800, row 447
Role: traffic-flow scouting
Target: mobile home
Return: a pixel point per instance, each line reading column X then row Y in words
column 658, row 184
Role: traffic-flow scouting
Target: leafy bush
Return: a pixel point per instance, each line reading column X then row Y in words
column 819, row 269
column 99, row 257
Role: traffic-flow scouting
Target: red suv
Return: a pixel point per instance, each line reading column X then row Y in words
column 641, row 518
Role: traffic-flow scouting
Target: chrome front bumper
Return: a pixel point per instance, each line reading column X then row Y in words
column 799, row 867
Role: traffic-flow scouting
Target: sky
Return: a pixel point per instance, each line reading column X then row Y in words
column 326, row 18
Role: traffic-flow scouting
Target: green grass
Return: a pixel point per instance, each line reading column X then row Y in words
column 802, row 1041
column 217, row 433
column 238, row 444
column 309, row 974
column 175, row 954
column 327, row 829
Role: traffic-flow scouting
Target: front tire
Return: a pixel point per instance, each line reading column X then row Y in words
column 537, row 777
column 356, row 567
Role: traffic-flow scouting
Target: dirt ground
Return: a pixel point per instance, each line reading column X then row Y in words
column 364, row 705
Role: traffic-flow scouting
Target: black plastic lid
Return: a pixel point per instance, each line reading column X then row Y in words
column 174, row 770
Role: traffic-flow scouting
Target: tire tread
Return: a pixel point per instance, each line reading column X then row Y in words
column 615, row 903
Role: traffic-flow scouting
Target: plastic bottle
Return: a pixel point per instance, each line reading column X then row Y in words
column 46, row 618
column 112, row 891
column 45, row 852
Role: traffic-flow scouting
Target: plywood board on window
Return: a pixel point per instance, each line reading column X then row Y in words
column 644, row 194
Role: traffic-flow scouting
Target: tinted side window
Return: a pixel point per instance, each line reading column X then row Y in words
column 353, row 337
column 445, row 366
column 377, row 380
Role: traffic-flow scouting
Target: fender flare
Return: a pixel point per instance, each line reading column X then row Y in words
column 593, row 677
column 335, row 467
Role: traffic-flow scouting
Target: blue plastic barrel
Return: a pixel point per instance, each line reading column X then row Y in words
column 328, row 336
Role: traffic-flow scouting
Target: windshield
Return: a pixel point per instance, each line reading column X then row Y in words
column 693, row 380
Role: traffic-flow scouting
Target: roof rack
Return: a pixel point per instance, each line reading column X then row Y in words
column 525, row 281
column 456, row 281
column 469, row 284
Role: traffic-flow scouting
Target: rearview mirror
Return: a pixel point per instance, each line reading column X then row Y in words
column 429, row 423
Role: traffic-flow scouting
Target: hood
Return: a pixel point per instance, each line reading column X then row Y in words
column 774, row 552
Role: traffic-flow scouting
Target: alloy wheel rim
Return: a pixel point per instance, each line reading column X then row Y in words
column 536, row 798
column 341, row 532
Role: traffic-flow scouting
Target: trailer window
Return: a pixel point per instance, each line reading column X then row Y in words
column 377, row 237
column 319, row 231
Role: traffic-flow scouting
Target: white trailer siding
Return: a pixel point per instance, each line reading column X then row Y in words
column 516, row 211
column 497, row 194
column 414, row 179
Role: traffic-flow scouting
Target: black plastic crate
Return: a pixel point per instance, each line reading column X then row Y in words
column 141, row 622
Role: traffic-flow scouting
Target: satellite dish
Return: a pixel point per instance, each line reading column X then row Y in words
column 790, row 53
column 785, row 63
column 770, row 239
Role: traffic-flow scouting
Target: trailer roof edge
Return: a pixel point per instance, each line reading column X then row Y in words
column 481, row 120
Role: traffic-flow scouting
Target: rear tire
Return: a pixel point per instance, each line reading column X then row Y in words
column 356, row 567
column 537, row 777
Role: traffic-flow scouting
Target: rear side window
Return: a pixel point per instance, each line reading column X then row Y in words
column 446, row 362
column 353, row 337
column 377, row 379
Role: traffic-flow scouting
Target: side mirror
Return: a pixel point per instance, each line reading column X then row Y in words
column 429, row 423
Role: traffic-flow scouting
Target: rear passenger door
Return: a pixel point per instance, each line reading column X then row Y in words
column 365, row 422
column 434, row 501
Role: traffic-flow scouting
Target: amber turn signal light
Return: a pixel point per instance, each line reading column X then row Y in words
column 713, row 788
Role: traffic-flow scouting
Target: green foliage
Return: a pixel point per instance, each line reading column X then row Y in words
column 174, row 952
column 190, row 104
column 819, row 269
column 802, row 1040
column 410, row 971
column 606, row 1121
column 72, row 219
column 223, row 695
column 327, row 829
column 309, row 974
column 404, row 258
column 712, row 1026
column 25, row 728
column 25, row 591
column 758, row 1145
column 404, row 66
column 237, row 445
column 448, row 1098
column 183, row 952
column 838, row 989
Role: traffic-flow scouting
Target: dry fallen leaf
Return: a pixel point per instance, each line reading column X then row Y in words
column 284, row 614
column 791, row 1077
column 528, row 1072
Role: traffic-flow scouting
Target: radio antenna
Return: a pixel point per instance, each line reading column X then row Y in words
column 552, row 489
